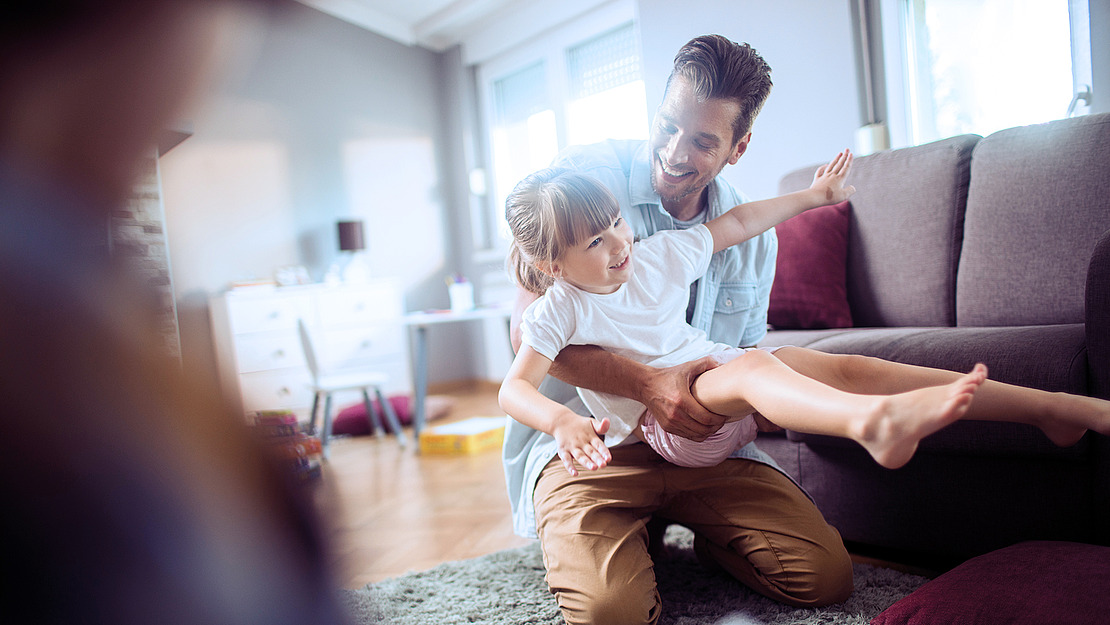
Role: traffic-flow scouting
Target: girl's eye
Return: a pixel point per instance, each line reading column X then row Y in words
column 596, row 241
column 618, row 222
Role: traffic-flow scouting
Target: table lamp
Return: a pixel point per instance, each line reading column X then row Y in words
column 352, row 243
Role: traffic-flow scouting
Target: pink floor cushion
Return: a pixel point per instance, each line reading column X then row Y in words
column 352, row 420
column 1036, row 582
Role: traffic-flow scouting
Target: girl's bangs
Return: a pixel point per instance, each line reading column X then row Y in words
column 590, row 209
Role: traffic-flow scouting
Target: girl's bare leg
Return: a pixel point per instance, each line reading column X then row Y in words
column 1064, row 418
column 888, row 426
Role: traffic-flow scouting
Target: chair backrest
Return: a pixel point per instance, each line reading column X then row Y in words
column 309, row 352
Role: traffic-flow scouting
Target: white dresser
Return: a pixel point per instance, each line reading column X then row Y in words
column 353, row 326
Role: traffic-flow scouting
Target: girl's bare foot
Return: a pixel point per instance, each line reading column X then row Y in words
column 891, row 432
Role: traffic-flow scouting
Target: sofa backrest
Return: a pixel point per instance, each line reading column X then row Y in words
column 906, row 231
column 1038, row 200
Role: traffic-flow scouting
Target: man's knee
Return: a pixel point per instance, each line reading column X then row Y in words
column 613, row 605
column 827, row 580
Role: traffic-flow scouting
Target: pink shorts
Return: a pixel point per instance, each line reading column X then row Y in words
column 713, row 450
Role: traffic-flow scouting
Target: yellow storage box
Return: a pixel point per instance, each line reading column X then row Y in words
column 470, row 436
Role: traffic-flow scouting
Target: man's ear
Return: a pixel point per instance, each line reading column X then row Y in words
column 739, row 149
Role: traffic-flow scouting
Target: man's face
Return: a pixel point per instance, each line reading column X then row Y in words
column 691, row 142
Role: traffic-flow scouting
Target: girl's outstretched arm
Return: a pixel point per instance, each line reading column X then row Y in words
column 578, row 438
column 748, row 220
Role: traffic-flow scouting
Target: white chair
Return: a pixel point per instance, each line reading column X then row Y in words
column 325, row 384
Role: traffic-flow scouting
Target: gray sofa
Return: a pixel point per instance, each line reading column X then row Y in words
column 972, row 249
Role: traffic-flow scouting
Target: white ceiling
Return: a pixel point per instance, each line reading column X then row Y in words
column 433, row 24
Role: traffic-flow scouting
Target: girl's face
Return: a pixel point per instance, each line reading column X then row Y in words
column 601, row 263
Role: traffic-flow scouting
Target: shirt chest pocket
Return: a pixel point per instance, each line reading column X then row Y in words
column 733, row 299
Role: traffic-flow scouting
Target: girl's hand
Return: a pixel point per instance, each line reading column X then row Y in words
column 829, row 179
column 579, row 441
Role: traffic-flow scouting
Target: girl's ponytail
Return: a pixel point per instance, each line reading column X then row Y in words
column 525, row 274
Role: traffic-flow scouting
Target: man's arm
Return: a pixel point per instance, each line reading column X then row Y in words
column 665, row 391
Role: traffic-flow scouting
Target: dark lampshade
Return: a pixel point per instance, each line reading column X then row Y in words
column 350, row 236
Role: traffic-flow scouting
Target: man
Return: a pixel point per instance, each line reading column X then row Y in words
column 748, row 517
column 132, row 495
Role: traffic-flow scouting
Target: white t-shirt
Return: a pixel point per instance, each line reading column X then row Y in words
column 644, row 320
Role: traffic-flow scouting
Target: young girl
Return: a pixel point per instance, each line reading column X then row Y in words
column 599, row 288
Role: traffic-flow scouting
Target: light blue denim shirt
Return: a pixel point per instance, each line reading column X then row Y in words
column 730, row 305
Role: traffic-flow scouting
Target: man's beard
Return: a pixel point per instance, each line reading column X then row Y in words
column 681, row 193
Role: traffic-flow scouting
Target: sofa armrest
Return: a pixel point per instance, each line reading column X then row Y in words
column 1097, row 313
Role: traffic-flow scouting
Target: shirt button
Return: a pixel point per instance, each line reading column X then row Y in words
column 728, row 302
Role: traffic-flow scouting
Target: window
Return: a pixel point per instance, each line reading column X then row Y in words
column 978, row 66
column 573, row 89
column 523, row 137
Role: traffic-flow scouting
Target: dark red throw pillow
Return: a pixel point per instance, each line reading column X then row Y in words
column 1029, row 583
column 810, row 290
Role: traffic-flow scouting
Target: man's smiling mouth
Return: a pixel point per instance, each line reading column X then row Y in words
column 671, row 172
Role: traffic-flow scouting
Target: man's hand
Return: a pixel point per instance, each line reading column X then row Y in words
column 666, row 393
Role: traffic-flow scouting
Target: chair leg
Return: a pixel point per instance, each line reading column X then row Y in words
column 312, row 415
column 325, row 434
column 376, row 426
column 391, row 416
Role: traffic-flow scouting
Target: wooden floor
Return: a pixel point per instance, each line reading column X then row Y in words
column 393, row 511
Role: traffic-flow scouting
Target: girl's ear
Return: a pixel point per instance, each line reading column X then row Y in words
column 549, row 268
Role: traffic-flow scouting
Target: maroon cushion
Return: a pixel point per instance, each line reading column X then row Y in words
column 1033, row 582
column 353, row 421
column 810, row 289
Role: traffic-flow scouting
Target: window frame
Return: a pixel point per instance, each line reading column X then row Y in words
column 898, row 70
column 549, row 48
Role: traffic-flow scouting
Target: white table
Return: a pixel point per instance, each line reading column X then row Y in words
column 419, row 322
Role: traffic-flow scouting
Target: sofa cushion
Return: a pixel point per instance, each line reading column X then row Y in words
column 1032, row 582
column 1051, row 358
column 907, row 220
column 1038, row 201
column 809, row 291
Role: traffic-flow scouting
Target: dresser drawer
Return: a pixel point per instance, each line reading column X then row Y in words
column 271, row 390
column 260, row 351
column 359, row 306
column 266, row 314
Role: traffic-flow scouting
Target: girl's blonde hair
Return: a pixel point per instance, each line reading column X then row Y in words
column 548, row 212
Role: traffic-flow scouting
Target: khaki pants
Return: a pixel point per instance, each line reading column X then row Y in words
column 747, row 517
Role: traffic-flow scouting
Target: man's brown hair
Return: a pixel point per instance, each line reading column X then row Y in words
column 717, row 67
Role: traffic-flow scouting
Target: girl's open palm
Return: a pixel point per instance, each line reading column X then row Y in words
column 829, row 179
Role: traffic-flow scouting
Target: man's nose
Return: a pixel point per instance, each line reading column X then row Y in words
column 676, row 153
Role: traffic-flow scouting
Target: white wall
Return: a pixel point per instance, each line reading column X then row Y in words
column 813, row 110
column 330, row 121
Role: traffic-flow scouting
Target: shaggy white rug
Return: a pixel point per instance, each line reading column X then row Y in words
column 507, row 588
